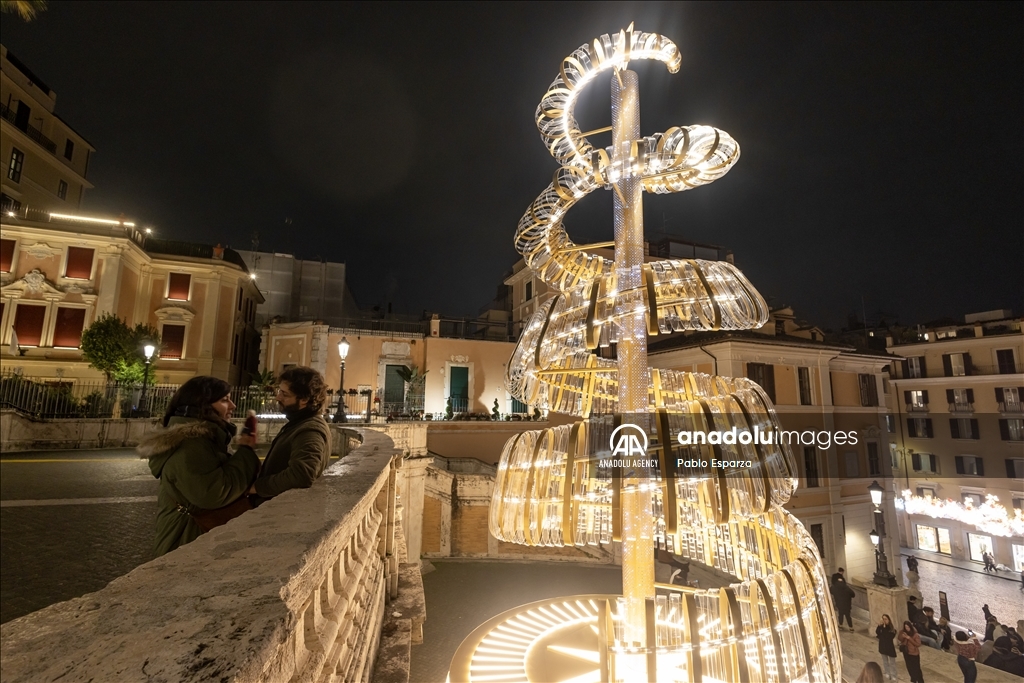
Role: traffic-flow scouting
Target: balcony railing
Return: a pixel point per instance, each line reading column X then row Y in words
column 1005, row 407
column 28, row 129
column 914, row 408
column 961, row 407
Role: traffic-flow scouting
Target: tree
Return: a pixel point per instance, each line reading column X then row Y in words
column 265, row 380
column 26, row 9
column 115, row 349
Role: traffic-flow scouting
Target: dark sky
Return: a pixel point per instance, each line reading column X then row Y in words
column 882, row 143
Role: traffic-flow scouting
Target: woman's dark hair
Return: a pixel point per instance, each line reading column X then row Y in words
column 195, row 398
column 306, row 383
column 961, row 636
column 912, row 630
column 887, row 618
column 871, row 673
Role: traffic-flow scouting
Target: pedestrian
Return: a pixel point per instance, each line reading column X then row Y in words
column 202, row 484
column 842, row 597
column 300, row 452
column 927, row 628
column 838, row 576
column 910, row 646
column 912, row 609
column 871, row 673
column 885, row 632
column 967, row 648
column 1005, row 657
column 987, row 559
column 945, row 634
column 912, row 564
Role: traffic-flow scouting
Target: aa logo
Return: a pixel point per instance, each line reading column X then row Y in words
column 629, row 441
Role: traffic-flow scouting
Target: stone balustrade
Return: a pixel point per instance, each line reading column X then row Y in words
column 292, row 591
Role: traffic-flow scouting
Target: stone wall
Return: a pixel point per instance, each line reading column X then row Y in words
column 294, row 590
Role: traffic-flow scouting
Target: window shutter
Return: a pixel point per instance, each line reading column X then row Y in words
column 911, row 427
column 173, row 341
column 916, row 461
column 924, row 371
column 999, row 394
column 6, row 255
column 925, row 395
column 975, row 432
column 970, row 395
column 949, row 396
column 178, row 286
column 1011, row 471
column 769, row 376
column 967, row 364
column 928, row 428
column 67, row 331
column 947, row 365
column 954, row 430
column 906, row 397
column 28, row 324
column 905, row 366
column 980, row 464
column 79, row 265
column 1004, row 430
column 959, row 464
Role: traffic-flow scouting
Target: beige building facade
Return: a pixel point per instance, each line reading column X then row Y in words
column 958, row 406
column 57, row 277
column 45, row 160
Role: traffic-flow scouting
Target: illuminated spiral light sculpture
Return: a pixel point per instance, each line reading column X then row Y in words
column 776, row 624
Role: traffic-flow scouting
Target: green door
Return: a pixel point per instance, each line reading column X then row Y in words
column 458, row 388
column 394, row 389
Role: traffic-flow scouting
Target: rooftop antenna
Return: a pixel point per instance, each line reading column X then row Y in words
column 255, row 251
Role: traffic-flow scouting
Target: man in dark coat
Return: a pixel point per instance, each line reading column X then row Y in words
column 302, row 449
column 842, row 596
column 1005, row 657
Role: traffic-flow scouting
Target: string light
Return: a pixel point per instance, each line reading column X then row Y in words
column 990, row 516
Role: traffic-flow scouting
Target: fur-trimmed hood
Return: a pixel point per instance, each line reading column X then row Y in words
column 159, row 446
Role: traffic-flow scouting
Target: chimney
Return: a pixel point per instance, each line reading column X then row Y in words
column 435, row 326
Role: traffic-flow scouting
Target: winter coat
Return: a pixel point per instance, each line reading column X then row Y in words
column 195, row 469
column 1006, row 661
column 297, row 457
column 913, row 643
column 885, row 635
column 842, row 596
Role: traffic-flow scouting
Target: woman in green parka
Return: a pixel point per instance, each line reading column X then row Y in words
column 190, row 457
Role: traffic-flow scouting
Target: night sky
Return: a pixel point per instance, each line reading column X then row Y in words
column 882, row 144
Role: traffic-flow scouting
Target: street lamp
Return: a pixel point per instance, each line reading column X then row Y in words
column 883, row 577
column 340, row 414
column 148, row 350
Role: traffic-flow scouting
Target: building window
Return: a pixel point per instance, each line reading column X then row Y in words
column 915, row 367
column 970, row 465
column 764, row 375
column 960, row 400
column 917, row 400
column 6, row 255
column 920, row 427
column 179, row 286
column 925, row 462
column 956, row 364
column 1008, row 399
column 79, row 263
column 1018, row 557
column 804, row 378
column 28, row 324
column 811, row 466
column 67, row 330
column 926, row 492
column 234, row 352
column 1011, row 429
column 17, row 161
column 890, row 423
column 172, row 342
column 1018, row 503
column 868, row 390
column 1004, row 358
column 979, row 545
column 780, row 327
column 62, row 189
column 529, row 290
column 874, row 463
column 933, row 539
column 69, row 149
column 963, row 428
column 818, row 536
column 852, row 463
column 518, row 407
column 1015, row 469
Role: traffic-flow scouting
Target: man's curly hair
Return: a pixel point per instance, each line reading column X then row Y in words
column 306, row 383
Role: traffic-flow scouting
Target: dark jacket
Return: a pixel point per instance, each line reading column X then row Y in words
column 191, row 460
column 1006, row 661
column 842, row 595
column 297, row 457
column 885, row 635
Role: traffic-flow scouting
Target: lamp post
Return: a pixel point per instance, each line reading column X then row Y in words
column 883, row 577
column 340, row 414
column 148, row 350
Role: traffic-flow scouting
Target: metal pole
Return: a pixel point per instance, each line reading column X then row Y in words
column 883, row 577
column 341, row 414
column 145, row 384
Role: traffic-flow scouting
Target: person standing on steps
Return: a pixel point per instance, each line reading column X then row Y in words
column 910, row 646
column 885, row 632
